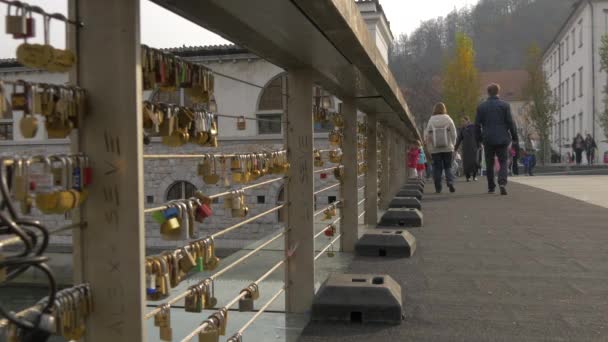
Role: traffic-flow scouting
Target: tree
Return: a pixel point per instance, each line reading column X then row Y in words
column 539, row 98
column 603, row 117
column 460, row 79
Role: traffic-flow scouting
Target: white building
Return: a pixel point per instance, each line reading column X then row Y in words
column 572, row 66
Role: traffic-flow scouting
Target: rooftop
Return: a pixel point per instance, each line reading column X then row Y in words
column 512, row 83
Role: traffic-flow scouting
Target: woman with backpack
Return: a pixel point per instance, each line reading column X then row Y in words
column 440, row 135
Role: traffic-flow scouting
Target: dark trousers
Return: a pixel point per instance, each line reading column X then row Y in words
column 579, row 156
column 531, row 164
column 590, row 156
column 515, row 166
column 501, row 152
column 442, row 162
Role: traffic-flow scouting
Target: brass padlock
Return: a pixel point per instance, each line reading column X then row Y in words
column 241, row 124
column 187, row 261
column 210, row 332
column 170, row 229
column 16, row 24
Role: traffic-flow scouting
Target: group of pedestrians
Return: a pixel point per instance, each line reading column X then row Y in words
column 582, row 145
column 494, row 129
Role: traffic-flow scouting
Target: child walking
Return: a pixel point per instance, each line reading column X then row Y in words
column 421, row 167
column 413, row 155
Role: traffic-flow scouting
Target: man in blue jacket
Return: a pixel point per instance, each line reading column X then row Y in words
column 497, row 130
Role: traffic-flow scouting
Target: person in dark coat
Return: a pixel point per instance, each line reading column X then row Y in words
column 470, row 148
column 578, row 145
column 590, row 147
column 497, row 129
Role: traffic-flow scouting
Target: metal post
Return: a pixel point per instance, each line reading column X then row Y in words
column 300, row 188
column 112, row 246
column 371, row 178
column 350, row 216
column 386, row 174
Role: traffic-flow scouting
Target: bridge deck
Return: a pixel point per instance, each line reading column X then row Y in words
column 532, row 266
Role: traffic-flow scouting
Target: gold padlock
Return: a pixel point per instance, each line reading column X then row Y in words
column 170, row 229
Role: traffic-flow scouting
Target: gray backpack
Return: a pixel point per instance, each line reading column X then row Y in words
column 440, row 136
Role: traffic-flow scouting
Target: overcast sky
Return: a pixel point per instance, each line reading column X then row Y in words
column 175, row 31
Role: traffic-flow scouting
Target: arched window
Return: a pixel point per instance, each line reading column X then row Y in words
column 271, row 106
column 180, row 190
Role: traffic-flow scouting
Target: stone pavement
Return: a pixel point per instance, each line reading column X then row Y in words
column 532, row 266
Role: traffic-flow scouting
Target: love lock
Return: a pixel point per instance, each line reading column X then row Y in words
column 252, row 292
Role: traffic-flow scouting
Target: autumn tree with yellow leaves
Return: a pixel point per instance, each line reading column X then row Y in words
column 461, row 80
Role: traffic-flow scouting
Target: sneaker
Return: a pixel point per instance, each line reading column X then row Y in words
column 492, row 191
column 452, row 189
column 475, row 179
column 503, row 191
column 468, row 180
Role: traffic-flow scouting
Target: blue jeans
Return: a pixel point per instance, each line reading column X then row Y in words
column 442, row 162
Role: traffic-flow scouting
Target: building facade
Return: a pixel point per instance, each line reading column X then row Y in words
column 572, row 65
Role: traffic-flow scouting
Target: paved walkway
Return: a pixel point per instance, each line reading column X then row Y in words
column 532, row 266
column 591, row 189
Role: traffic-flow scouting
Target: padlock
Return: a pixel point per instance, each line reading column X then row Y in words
column 210, row 332
column 249, row 295
column 170, row 229
column 19, row 98
column 30, row 26
column 192, row 301
column 16, row 23
column 187, row 261
column 241, row 124
column 202, row 212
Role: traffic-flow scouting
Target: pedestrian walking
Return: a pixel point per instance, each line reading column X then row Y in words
column 412, row 160
column 440, row 135
column 470, row 148
column 421, row 167
column 531, row 149
column 497, row 130
column 590, row 147
column 578, row 146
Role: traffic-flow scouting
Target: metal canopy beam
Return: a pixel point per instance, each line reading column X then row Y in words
column 328, row 37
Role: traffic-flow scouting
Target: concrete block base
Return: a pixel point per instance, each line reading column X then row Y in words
column 405, row 202
column 359, row 298
column 386, row 243
column 413, row 186
column 410, row 193
column 401, row 218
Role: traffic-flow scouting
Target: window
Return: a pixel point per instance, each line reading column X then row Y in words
column 180, row 190
column 272, row 95
column 149, row 199
column 567, row 129
column 261, row 199
column 573, row 126
column 580, row 122
column 580, row 82
column 567, row 91
column 568, row 48
column 6, row 131
column 574, row 40
column 574, row 87
column 561, row 54
column 580, row 33
column 269, row 123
